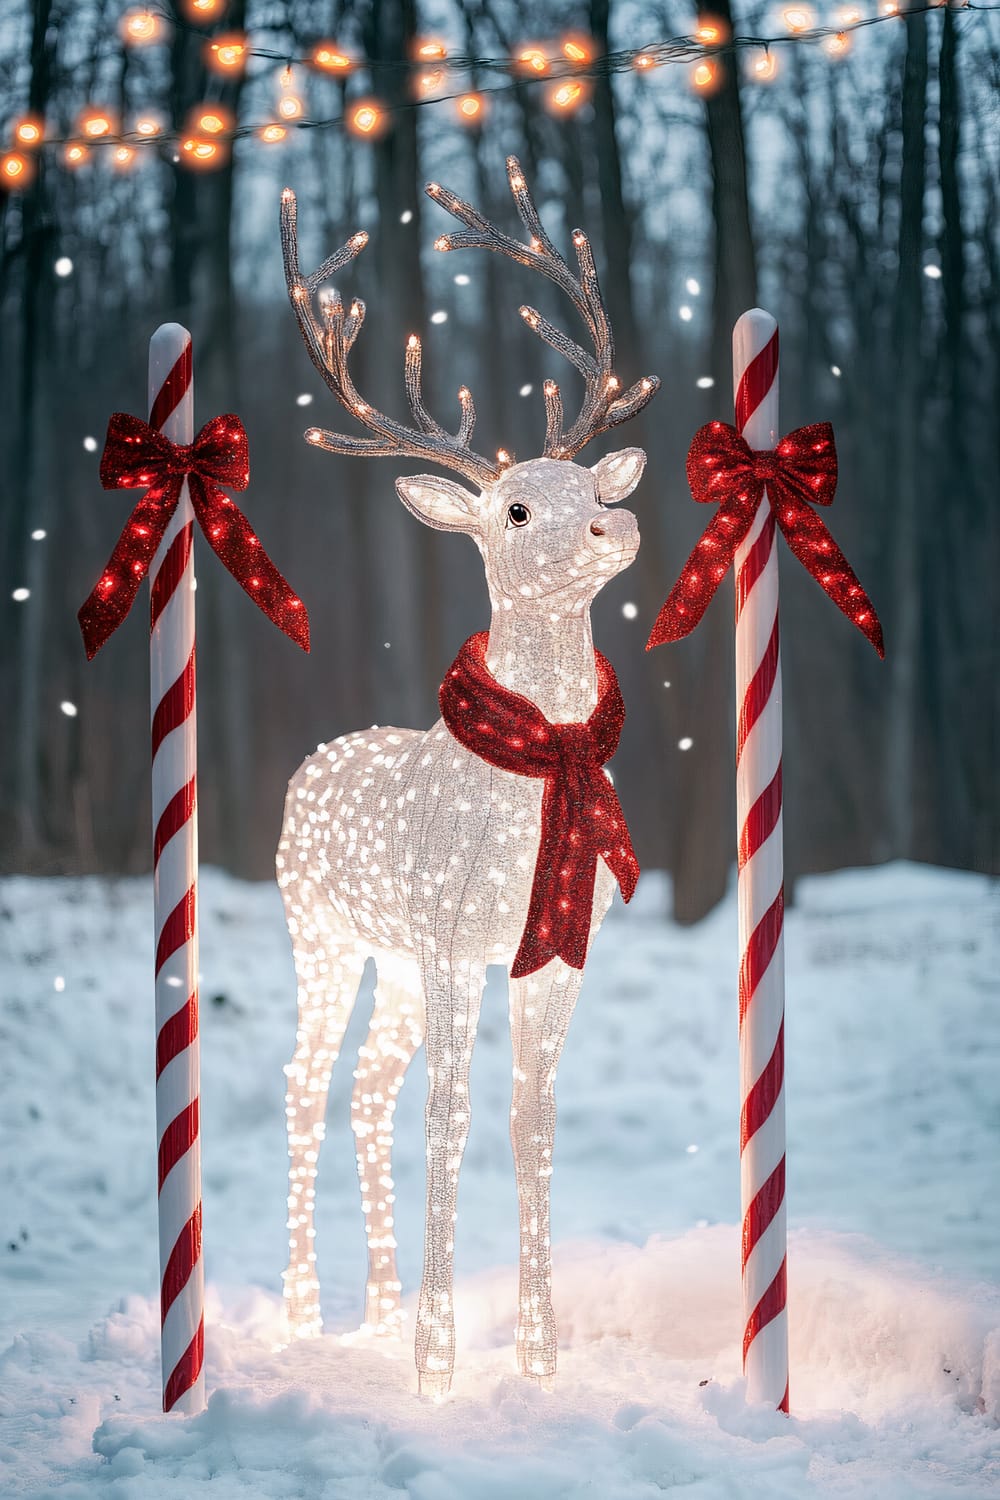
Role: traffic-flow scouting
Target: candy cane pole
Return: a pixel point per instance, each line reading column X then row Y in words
column 760, row 889
column 175, row 886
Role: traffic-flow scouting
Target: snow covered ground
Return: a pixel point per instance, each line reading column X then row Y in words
column 894, row 1199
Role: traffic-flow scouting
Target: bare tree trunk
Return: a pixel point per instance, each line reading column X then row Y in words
column 401, row 562
column 904, row 643
column 37, row 231
column 705, row 788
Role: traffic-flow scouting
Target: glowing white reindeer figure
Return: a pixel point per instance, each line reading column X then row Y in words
column 405, row 845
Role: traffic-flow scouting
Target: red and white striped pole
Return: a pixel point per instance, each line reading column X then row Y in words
column 175, row 886
column 760, row 889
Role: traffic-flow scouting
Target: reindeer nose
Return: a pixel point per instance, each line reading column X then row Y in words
column 597, row 528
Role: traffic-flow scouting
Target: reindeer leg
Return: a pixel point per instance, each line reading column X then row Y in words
column 540, row 1010
column 397, row 1029
column 328, row 967
column 452, row 999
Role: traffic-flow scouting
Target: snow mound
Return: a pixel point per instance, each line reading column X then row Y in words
column 648, row 1398
column 894, row 1313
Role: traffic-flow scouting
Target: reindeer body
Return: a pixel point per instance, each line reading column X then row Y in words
column 404, row 846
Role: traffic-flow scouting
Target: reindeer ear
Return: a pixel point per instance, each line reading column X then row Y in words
column 618, row 474
column 440, row 503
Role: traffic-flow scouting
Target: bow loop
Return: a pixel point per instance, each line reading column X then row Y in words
column 137, row 456
column 221, row 452
column 796, row 475
column 720, row 463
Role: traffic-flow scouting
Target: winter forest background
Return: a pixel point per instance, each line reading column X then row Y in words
column 856, row 198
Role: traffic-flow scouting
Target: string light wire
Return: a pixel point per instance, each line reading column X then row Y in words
column 561, row 64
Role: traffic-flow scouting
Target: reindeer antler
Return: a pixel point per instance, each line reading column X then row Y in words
column 604, row 405
column 329, row 343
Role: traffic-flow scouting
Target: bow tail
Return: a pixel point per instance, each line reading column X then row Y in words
column 617, row 851
column 704, row 570
column 238, row 548
column 562, row 892
column 812, row 544
column 114, row 593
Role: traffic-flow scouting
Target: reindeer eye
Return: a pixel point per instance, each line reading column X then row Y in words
column 518, row 515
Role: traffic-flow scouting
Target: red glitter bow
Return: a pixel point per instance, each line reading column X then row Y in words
column 582, row 818
column 136, row 456
column 799, row 473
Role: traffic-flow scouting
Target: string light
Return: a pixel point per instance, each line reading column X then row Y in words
column 533, row 60
column 430, row 83
column 123, row 157
column 566, row 96
column 148, row 126
column 139, row 28
column 578, row 49
column 209, row 119
column 366, row 118
column 327, row 55
column 711, row 31
column 272, row 134
column 201, row 153
column 96, row 123
column 29, row 131
column 471, row 108
column 228, row 54
column 15, row 170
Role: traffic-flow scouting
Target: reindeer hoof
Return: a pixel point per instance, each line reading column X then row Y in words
column 434, row 1385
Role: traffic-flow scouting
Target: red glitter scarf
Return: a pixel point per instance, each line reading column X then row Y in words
column 581, row 815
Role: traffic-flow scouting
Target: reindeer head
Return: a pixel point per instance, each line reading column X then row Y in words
column 542, row 526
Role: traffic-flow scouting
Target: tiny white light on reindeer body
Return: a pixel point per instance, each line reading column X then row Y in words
column 630, row 610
